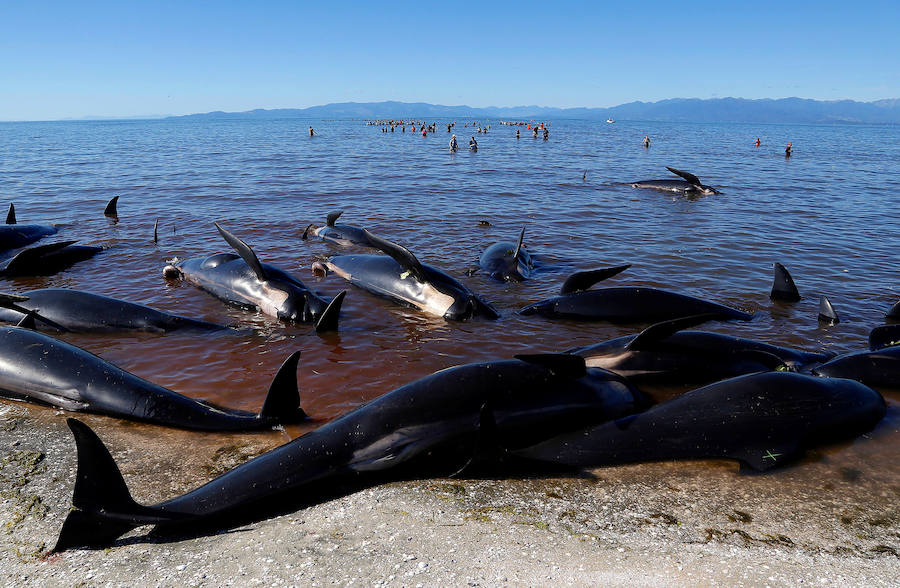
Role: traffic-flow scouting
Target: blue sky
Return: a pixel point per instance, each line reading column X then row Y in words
column 75, row 59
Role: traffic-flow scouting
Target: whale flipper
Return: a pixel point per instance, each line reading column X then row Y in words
column 689, row 177
column 580, row 281
column 783, row 287
column 245, row 252
column 400, row 254
column 11, row 215
column 328, row 321
column 111, row 209
column 827, row 313
column 519, row 244
column 560, row 364
column 767, row 457
column 306, row 232
column 101, row 496
column 282, row 403
column 332, row 217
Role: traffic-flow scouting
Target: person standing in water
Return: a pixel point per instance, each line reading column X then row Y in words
column 454, row 146
column 758, row 142
column 473, row 144
column 646, row 141
column 517, row 134
column 311, row 132
column 788, row 149
column 546, row 133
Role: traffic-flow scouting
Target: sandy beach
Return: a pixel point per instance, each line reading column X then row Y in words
column 828, row 521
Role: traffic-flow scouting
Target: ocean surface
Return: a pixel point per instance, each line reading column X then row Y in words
column 827, row 213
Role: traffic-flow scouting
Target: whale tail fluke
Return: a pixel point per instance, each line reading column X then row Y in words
column 328, row 321
column 282, row 403
column 105, row 509
column 783, row 287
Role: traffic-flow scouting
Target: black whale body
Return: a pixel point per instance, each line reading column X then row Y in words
column 689, row 186
column 401, row 278
column 507, row 261
column 664, row 354
column 39, row 368
column 242, row 280
column 438, row 425
column 46, row 260
column 17, row 236
column 60, row 309
column 763, row 420
column 343, row 235
column 878, row 369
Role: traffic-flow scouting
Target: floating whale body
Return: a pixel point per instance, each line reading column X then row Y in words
column 38, row 368
column 507, row 262
column 762, row 420
column 689, row 186
column 343, row 235
column 400, row 277
column 666, row 354
column 884, row 336
column 244, row 281
column 624, row 304
column 58, row 309
column 45, row 260
column 14, row 235
column 439, row 424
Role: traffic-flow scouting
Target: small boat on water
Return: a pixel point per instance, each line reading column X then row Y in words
column 610, row 120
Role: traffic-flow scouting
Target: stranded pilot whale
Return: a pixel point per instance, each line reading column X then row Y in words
column 39, row 368
column 45, row 260
column 666, row 354
column 244, row 281
column 439, row 425
column 507, row 262
column 689, row 186
column 762, row 420
column 14, row 235
column 878, row 369
column 59, row 309
column 624, row 304
column 343, row 235
column 400, row 277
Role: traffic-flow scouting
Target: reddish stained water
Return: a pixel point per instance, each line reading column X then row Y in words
column 826, row 213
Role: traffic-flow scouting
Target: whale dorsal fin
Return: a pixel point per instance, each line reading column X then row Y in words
column 282, row 403
column 827, row 313
column 11, row 215
column 332, row 217
column 561, row 364
column 580, row 281
column 245, row 252
column 783, row 287
column 519, row 244
column 111, row 207
column 691, row 178
column 401, row 255
column 654, row 334
column 328, row 320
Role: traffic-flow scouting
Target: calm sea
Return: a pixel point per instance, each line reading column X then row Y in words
column 827, row 213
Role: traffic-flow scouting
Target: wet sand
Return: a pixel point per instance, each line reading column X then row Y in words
column 829, row 520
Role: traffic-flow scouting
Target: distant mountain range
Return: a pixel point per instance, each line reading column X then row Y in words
column 785, row 110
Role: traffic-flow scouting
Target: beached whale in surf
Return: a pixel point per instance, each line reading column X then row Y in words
column 624, row 304
column 58, row 309
column 14, row 235
column 46, row 260
column 39, row 368
column 689, row 186
column 884, row 336
column 438, row 425
column 762, row 420
column 244, row 281
column 343, row 235
column 400, row 277
column 507, row 262
column 666, row 354
column 878, row 369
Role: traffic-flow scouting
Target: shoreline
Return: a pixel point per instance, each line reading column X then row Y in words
column 829, row 520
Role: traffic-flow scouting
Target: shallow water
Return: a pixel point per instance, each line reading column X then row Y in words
column 825, row 213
